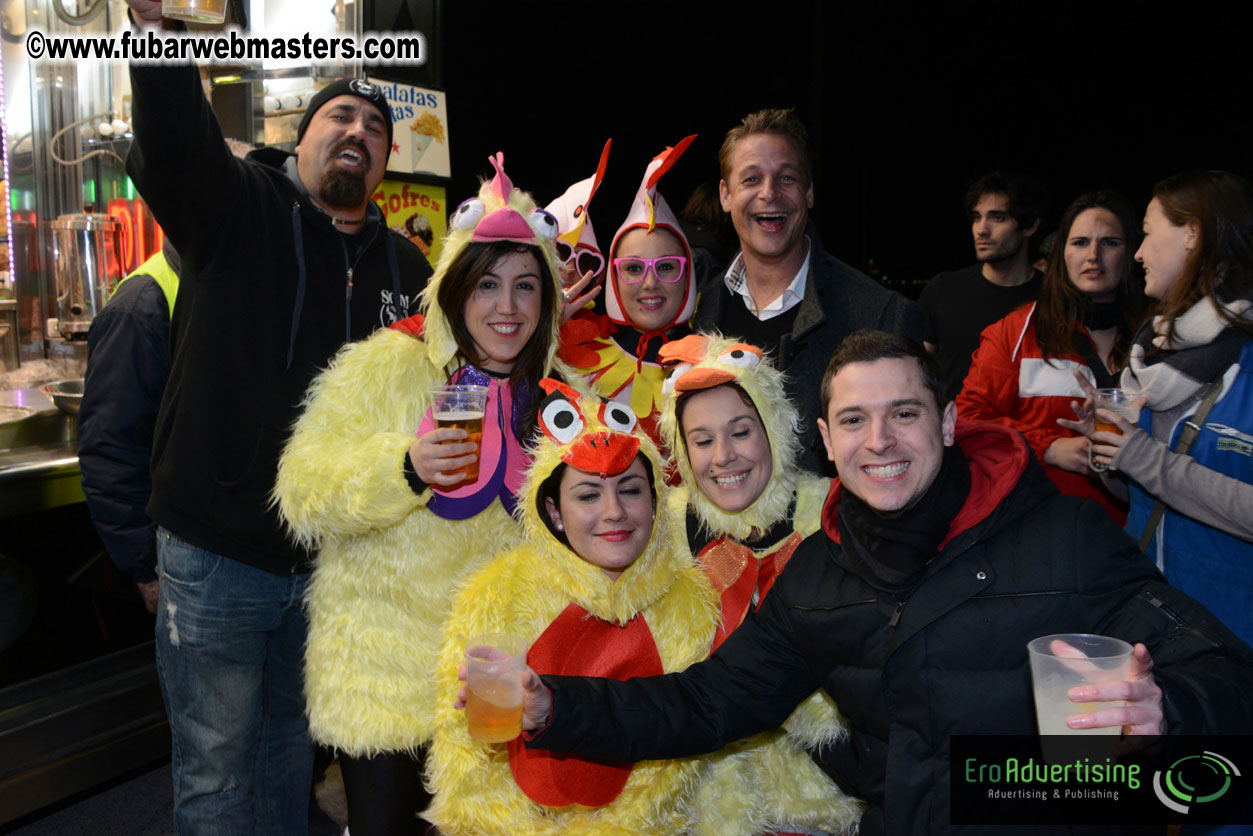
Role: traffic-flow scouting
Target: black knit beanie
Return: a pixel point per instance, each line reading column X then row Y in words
column 358, row 87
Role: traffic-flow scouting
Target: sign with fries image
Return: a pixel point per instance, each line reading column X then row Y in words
column 420, row 135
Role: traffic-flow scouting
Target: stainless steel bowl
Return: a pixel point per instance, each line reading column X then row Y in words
column 66, row 394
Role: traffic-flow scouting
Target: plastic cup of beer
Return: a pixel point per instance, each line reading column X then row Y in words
column 461, row 407
column 1119, row 401
column 195, row 11
column 1066, row 660
column 494, row 666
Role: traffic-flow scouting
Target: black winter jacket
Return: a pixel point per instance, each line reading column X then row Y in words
column 948, row 658
column 264, row 302
column 128, row 361
column 838, row 300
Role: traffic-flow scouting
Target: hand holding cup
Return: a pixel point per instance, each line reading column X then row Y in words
column 537, row 700
column 438, row 455
column 1140, row 696
column 1065, row 664
column 495, row 664
column 458, row 411
column 1116, row 411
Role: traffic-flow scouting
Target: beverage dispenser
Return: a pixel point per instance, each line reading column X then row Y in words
column 88, row 266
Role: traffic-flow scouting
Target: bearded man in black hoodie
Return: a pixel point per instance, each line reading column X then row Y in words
column 284, row 259
column 944, row 549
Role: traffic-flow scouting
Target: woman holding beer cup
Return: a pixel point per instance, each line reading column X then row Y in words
column 601, row 584
column 1198, row 264
column 396, row 529
column 1024, row 373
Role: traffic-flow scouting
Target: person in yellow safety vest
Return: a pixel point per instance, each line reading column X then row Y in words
column 128, row 361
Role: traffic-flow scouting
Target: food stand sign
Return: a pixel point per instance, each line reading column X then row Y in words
column 415, row 210
column 420, row 129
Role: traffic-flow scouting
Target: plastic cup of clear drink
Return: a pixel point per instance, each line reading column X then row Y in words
column 1067, row 660
column 494, row 666
column 195, row 11
column 462, row 407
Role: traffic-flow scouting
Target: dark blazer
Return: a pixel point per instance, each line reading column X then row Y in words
column 838, row 300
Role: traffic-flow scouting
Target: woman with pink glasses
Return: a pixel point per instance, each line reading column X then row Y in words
column 649, row 298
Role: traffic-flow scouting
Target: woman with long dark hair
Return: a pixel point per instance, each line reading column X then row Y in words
column 1195, row 356
column 1023, row 374
column 368, row 479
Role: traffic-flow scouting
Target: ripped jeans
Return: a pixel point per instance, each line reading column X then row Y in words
column 230, row 654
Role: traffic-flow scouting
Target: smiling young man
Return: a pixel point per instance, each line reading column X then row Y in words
column 783, row 292
column 1005, row 212
column 944, row 549
column 284, row 258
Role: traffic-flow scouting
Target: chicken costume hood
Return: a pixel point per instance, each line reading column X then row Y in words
column 703, row 361
column 658, row 616
column 576, row 240
column 618, row 357
column 501, row 212
column 649, row 211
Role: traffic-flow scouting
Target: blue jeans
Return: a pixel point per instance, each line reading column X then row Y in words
column 230, row 653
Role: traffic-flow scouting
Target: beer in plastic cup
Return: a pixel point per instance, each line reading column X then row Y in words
column 1067, row 660
column 196, row 11
column 494, row 665
column 1120, row 401
column 461, row 407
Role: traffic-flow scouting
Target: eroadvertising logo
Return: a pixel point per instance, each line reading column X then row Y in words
column 1084, row 780
column 1194, row 779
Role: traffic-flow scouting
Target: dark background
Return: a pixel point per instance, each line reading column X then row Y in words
column 905, row 103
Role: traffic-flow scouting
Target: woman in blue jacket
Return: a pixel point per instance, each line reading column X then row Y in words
column 1198, row 263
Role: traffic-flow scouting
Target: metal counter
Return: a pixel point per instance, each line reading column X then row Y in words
column 38, row 454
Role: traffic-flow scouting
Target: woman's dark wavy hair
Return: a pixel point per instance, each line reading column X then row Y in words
column 1220, row 204
column 1062, row 307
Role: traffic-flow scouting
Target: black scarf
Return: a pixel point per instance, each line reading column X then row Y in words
column 1103, row 315
column 891, row 551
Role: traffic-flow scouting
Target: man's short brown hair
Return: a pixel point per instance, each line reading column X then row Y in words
column 867, row 346
column 773, row 120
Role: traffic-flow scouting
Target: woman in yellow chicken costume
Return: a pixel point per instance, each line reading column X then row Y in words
column 734, row 437
column 582, row 612
column 394, row 532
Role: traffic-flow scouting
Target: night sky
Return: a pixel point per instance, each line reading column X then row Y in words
column 905, row 103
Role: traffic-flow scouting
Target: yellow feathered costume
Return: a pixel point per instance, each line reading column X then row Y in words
column 767, row 782
column 388, row 558
column 576, row 621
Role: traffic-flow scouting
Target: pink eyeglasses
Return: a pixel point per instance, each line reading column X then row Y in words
column 667, row 268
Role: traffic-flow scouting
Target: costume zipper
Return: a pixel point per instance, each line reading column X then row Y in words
column 896, row 615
